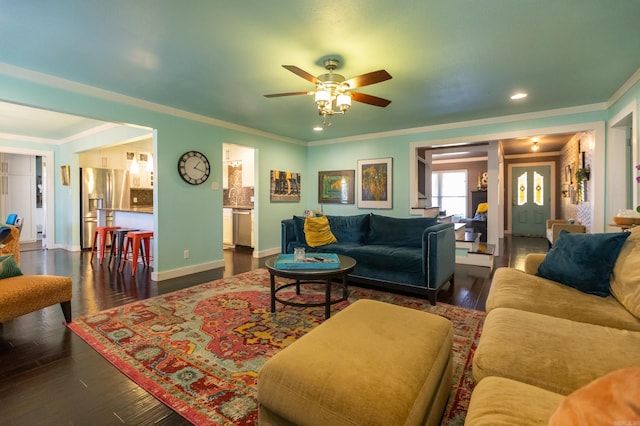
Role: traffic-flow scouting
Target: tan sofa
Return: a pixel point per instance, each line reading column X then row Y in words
column 554, row 226
column 543, row 340
column 23, row 294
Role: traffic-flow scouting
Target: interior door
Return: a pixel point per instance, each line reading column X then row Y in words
column 531, row 203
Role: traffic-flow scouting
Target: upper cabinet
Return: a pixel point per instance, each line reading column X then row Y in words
column 237, row 157
column 103, row 159
column 247, row 167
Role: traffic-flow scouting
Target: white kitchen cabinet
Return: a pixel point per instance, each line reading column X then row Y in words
column 247, row 167
column 227, row 227
column 225, row 174
column 141, row 180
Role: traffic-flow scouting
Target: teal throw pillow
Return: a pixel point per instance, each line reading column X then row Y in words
column 391, row 231
column 5, row 233
column 349, row 229
column 583, row 261
column 9, row 267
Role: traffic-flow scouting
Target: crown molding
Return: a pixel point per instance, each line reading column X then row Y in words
column 469, row 123
column 85, row 89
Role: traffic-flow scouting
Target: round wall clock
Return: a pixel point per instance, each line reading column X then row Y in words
column 194, row 167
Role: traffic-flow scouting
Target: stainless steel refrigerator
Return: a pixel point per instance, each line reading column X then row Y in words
column 100, row 188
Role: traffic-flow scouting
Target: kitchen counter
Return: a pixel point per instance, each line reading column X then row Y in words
column 134, row 217
column 233, row 206
column 131, row 209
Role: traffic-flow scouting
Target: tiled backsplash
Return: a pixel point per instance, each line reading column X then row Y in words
column 244, row 196
column 141, row 197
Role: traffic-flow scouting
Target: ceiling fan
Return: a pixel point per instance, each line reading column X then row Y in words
column 333, row 93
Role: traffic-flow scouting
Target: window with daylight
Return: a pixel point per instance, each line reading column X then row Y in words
column 449, row 191
column 538, row 193
column 522, row 189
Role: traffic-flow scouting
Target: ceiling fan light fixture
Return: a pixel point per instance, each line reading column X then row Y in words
column 535, row 146
column 323, row 97
column 343, row 102
column 333, row 93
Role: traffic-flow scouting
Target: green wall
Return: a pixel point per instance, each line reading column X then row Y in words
column 187, row 217
column 191, row 217
column 343, row 155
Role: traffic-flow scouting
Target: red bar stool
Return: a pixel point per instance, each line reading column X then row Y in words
column 134, row 239
column 102, row 231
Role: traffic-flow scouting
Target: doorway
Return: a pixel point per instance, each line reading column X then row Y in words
column 238, row 197
column 23, row 178
column 531, row 193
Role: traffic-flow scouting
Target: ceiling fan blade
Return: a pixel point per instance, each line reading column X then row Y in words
column 277, row 95
column 368, row 78
column 301, row 73
column 369, row 99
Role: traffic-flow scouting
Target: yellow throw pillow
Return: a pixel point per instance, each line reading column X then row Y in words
column 317, row 231
column 625, row 278
column 482, row 208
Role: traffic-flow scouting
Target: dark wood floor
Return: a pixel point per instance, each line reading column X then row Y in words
column 49, row 376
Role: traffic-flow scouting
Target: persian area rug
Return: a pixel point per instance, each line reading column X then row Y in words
column 199, row 350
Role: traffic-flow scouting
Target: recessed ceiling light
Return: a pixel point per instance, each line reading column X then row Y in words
column 519, row 95
column 318, row 129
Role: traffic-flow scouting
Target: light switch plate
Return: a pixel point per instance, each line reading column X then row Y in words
column 215, row 186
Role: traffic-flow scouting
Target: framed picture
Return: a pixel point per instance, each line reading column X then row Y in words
column 375, row 183
column 285, row 185
column 336, row 187
column 65, row 173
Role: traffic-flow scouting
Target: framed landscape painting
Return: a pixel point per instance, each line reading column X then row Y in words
column 375, row 187
column 336, row 186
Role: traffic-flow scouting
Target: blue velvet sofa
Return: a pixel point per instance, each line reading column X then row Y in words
column 414, row 255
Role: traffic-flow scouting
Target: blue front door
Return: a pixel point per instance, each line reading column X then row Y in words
column 531, row 203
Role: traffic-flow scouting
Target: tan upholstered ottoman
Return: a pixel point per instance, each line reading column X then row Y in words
column 371, row 364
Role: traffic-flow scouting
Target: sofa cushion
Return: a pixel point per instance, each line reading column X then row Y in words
column 583, row 261
column 511, row 288
column 391, row 231
column 317, row 231
column 349, row 229
column 395, row 258
column 552, row 353
column 298, row 228
column 625, row 280
column 9, row 267
column 608, row 400
column 500, row 401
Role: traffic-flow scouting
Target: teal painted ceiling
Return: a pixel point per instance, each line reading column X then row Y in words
column 450, row 60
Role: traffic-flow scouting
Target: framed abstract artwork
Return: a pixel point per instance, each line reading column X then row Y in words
column 336, row 187
column 375, row 176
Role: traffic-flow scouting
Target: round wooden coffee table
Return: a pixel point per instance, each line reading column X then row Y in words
column 311, row 276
